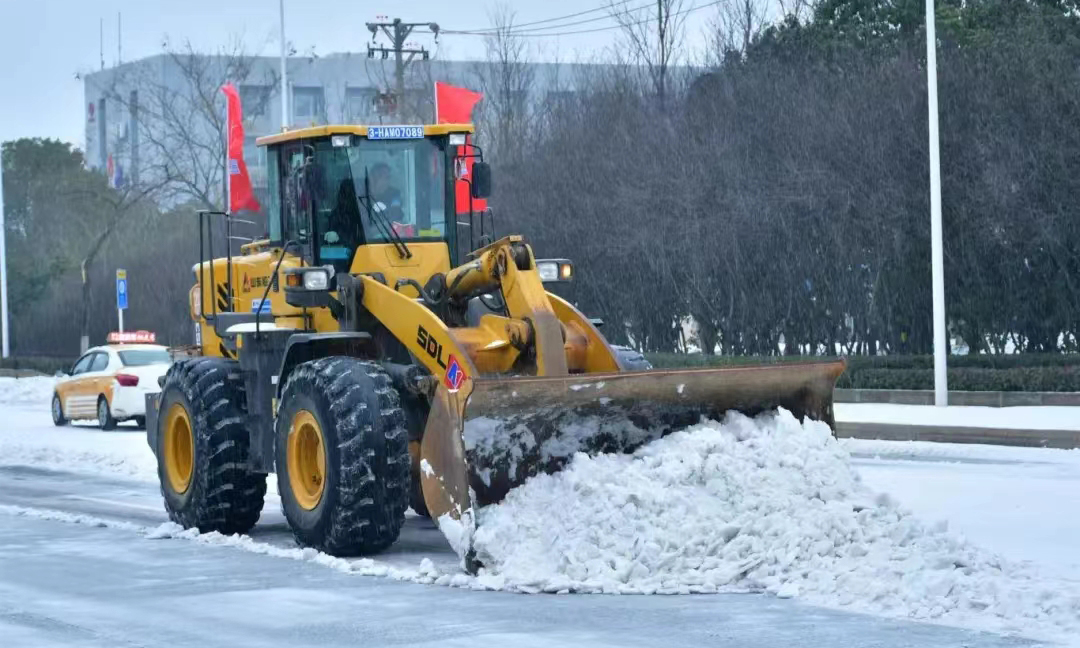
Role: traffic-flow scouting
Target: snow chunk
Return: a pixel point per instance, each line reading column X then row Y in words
column 426, row 468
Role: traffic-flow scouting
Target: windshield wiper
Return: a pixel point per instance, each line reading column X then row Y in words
column 384, row 224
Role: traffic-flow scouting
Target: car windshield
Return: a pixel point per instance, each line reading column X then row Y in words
column 140, row 357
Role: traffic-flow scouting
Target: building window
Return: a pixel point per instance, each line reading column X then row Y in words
column 254, row 100
column 255, row 159
column 308, row 106
column 360, row 105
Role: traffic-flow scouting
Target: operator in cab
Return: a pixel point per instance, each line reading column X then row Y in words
column 385, row 199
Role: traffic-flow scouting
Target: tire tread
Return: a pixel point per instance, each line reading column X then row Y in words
column 372, row 489
column 227, row 496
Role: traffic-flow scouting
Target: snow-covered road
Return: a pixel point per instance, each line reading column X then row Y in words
column 84, row 505
column 70, row 585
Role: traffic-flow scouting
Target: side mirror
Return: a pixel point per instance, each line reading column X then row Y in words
column 481, row 180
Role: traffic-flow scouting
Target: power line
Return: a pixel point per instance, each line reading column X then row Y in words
column 515, row 29
column 535, row 34
column 482, row 30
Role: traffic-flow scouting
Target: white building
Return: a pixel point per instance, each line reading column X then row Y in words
column 138, row 113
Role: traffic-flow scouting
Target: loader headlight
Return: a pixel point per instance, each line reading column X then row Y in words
column 316, row 280
column 554, row 270
column 308, row 287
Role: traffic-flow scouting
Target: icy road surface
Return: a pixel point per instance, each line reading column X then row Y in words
column 79, row 522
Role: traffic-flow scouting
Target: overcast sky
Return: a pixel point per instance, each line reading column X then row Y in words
column 44, row 43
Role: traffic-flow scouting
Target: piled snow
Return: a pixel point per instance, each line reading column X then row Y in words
column 768, row 505
column 28, row 438
column 33, row 390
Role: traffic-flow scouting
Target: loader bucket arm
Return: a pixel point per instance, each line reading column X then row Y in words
column 444, row 474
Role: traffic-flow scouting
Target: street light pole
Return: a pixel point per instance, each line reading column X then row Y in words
column 284, row 81
column 3, row 267
column 941, row 389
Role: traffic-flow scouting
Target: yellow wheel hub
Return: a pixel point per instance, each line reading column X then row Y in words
column 179, row 448
column 305, row 453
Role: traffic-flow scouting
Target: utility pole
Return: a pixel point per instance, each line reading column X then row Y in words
column 397, row 32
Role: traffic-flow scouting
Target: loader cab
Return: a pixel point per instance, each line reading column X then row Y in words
column 364, row 198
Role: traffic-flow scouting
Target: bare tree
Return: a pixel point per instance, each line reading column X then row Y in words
column 120, row 205
column 654, row 41
column 505, row 79
column 736, row 24
column 182, row 118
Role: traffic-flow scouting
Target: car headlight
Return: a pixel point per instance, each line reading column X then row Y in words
column 554, row 270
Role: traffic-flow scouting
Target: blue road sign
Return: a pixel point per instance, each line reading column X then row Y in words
column 121, row 290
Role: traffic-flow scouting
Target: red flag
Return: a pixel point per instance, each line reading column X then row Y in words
column 241, row 195
column 454, row 105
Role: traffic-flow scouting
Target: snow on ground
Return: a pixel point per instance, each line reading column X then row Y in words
column 28, row 438
column 1023, row 503
column 1031, row 418
column 33, row 390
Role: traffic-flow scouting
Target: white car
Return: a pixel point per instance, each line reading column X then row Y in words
column 109, row 383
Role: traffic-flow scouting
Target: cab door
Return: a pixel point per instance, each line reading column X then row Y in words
column 71, row 389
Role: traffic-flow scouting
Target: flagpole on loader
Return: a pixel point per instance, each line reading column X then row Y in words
column 228, row 204
column 284, row 82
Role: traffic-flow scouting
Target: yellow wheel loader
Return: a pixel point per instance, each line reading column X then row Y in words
column 356, row 355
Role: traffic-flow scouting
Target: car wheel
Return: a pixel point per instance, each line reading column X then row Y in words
column 140, row 422
column 58, row 411
column 104, row 415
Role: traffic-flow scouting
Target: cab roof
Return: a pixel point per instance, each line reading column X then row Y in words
column 354, row 129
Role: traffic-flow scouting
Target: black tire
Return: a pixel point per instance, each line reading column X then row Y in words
column 104, row 414
column 58, row 418
column 629, row 359
column 140, row 422
column 223, row 495
column 365, row 486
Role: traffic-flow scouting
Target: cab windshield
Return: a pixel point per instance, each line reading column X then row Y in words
column 376, row 192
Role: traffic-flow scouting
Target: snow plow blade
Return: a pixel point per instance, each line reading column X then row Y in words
column 480, row 445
